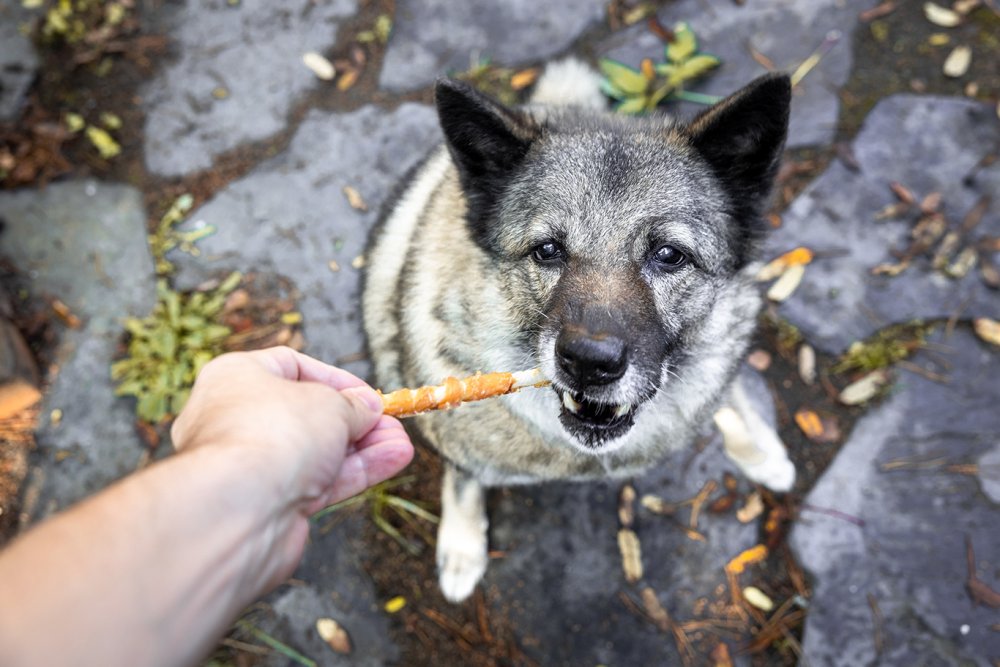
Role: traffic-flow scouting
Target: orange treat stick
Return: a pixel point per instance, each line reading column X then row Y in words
column 453, row 392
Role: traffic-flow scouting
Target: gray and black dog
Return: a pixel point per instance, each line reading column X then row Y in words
column 615, row 253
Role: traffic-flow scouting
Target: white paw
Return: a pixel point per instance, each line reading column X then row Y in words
column 461, row 558
column 776, row 473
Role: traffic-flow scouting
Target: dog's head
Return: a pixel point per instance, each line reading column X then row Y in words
column 615, row 239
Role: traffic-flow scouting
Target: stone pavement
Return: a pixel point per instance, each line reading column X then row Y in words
column 234, row 76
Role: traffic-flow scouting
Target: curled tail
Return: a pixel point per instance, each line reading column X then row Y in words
column 569, row 82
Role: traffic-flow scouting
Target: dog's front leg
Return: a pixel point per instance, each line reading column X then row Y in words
column 461, row 540
column 753, row 444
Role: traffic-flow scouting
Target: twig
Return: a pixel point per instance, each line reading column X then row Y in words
column 877, row 618
column 699, row 501
column 282, row 648
column 836, row 514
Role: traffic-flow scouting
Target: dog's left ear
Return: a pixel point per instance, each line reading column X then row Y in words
column 741, row 138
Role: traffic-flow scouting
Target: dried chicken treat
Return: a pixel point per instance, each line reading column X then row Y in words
column 409, row 402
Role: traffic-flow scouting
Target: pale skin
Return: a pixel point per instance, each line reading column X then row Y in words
column 153, row 570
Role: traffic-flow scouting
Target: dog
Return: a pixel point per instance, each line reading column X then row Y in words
column 617, row 253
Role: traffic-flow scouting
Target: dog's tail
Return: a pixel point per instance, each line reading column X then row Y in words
column 569, row 82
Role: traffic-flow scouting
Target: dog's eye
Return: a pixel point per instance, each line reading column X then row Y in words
column 669, row 257
column 550, row 251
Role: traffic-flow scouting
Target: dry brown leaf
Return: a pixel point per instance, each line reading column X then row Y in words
column 963, row 7
column 787, row 283
column 877, row 12
column 758, row 598
column 524, row 78
column 348, row 79
column 63, row 312
column 759, row 360
column 720, row 656
column 655, row 610
column 779, row 265
column 334, row 634
column 902, row 192
column 863, row 390
column 987, row 329
column 752, row 509
column 942, row 16
column 807, row 363
column 354, row 198
column 958, row 61
column 809, row 422
column 626, row 506
column 319, row 65
column 631, row 551
column 753, row 555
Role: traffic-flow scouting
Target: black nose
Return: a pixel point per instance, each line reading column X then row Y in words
column 591, row 359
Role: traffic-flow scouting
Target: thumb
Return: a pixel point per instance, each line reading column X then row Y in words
column 361, row 411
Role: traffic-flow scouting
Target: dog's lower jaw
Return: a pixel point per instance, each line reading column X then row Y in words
column 462, row 553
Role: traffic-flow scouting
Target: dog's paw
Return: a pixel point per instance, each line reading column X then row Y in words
column 776, row 473
column 461, row 559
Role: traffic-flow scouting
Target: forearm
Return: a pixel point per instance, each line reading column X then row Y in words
column 151, row 571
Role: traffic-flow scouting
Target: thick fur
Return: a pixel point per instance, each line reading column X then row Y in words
column 461, row 279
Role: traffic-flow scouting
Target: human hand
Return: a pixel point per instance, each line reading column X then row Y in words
column 309, row 433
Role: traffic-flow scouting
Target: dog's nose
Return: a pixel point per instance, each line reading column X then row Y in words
column 591, row 359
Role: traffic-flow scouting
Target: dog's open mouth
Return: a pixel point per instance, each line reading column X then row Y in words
column 592, row 422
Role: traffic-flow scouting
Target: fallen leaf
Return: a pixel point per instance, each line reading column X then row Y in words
column 809, row 422
column 74, row 122
column 103, row 142
column 220, row 92
column 626, row 506
column 759, row 360
column 939, row 39
column 655, row 610
column 631, row 551
column 746, row 558
column 902, row 192
column 958, row 61
column 657, row 505
column 987, row 329
column 395, row 604
column 752, row 509
column 354, row 198
column 55, row 417
column 524, row 78
column 291, row 319
column 807, row 363
column 65, row 314
column 963, row 7
column 758, row 598
column 938, row 15
column 863, row 390
column 320, row 65
column 720, row 656
column 777, row 266
column 333, row 634
column 787, row 283
column 358, row 262
column 334, row 266
column 348, row 79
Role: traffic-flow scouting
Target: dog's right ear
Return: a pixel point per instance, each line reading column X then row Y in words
column 486, row 139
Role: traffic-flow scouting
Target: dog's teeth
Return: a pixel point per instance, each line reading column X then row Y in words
column 622, row 410
column 570, row 404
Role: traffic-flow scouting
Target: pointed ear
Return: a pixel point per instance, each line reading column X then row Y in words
column 741, row 138
column 486, row 139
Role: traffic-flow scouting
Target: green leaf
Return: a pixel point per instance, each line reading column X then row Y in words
column 684, row 45
column 611, row 91
column 231, row 282
column 216, row 332
column 623, row 77
column 697, row 66
column 633, row 106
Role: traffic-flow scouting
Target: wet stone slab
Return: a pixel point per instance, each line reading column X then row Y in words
column 18, row 62
column 85, row 244
column 561, row 580
column 236, row 73
column 291, row 217
column 433, row 37
column 928, row 144
column 899, row 538
column 784, row 31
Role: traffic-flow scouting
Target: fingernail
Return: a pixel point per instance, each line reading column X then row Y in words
column 370, row 397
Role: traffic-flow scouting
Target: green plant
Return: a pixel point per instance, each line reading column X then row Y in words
column 381, row 500
column 642, row 90
column 166, row 237
column 885, row 348
column 167, row 349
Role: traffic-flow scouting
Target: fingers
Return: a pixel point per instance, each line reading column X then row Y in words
column 291, row 365
column 366, row 467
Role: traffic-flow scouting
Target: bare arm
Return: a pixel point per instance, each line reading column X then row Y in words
column 153, row 570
